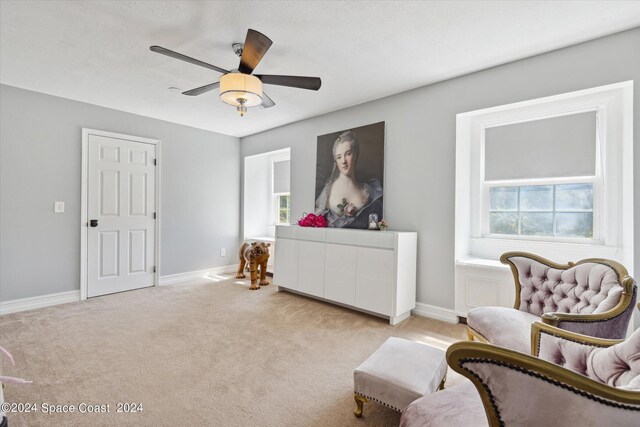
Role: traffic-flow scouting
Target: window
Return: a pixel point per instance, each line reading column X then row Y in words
column 552, row 176
column 561, row 210
column 284, row 209
column 281, row 191
column 540, row 177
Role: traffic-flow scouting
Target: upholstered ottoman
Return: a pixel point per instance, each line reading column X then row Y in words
column 399, row 372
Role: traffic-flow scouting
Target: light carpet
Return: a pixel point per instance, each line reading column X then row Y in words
column 207, row 353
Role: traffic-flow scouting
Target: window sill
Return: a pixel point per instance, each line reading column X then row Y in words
column 543, row 240
column 492, row 248
column 491, row 264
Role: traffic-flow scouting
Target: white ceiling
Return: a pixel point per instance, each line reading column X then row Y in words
column 98, row 51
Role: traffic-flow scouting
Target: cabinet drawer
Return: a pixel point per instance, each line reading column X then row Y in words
column 285, row 231
column 378, row 239
column 310, row 233
column 374, row 239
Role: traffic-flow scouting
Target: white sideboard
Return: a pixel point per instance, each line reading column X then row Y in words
column 372, row 271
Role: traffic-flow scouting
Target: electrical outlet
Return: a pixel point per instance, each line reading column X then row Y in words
column 223, row 252
column 58, row 207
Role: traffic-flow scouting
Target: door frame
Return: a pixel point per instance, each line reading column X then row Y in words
column 84, row 204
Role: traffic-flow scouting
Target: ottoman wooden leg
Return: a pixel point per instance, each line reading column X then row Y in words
column 360, row 401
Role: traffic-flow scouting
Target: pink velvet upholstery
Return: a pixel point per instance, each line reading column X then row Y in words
column 588, row 288
column 502, row 326
column 617, row 366
column 584, row 289
column 521, row 390
column 399, row 372
column 526, row 399
column 458, row 406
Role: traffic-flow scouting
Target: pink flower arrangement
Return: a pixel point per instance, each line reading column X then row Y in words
column 312, row 220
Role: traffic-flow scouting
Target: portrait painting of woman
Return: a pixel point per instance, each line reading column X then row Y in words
column 349, row 176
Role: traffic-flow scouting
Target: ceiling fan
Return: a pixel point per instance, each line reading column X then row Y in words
column 240, row 87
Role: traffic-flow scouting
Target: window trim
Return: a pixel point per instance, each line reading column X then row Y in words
column 613, row 186
column 277, row 156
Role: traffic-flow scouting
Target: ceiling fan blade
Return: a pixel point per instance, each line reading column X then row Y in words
column 310, row 83
column 176, row 55
column 255, row 46
column 202, row 89
column 266, row 101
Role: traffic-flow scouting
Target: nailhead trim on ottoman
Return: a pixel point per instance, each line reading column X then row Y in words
column 399, row 372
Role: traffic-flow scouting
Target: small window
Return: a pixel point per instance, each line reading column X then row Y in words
column 560, row 210
column 284, row 209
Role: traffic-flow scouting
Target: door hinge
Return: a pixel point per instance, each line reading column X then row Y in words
column 154, row 269
column 154, row 215
column 155, row 162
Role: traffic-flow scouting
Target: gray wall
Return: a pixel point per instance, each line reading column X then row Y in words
column 420, row 142
column 40, row 162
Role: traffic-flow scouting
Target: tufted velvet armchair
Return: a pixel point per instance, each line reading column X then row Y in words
column 592, row 297
column 575, row 380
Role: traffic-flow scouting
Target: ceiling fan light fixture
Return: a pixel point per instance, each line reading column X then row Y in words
column 239, row 87
column 241, row 91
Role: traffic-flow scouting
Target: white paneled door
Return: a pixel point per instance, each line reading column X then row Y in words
column 121, row 215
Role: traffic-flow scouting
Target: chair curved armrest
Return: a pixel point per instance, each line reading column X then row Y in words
column 512, row 385
column 538, row 329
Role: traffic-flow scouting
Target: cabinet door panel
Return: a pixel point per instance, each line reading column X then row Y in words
column 311, row 268
column 286, row 264
column 340, row 274
column 374, row 280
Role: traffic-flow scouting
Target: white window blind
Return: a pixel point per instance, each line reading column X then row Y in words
column 281, row 176
column 547, row 148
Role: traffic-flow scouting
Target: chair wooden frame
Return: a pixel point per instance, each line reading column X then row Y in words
column 538, row 329
column 462, row 353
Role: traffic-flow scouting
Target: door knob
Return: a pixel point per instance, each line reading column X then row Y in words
column 93, row 223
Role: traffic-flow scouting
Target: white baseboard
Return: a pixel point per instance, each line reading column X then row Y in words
column 31, row 303
column 24, row 304
column 433, row 312
column 172, row 279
